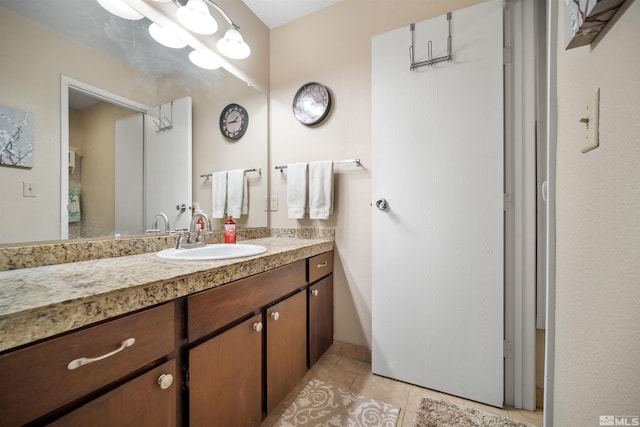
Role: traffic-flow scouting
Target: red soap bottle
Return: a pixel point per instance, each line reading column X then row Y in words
column 230, row 230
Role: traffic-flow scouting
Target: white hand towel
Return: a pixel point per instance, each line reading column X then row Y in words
column 245, row 195
column 235, row 192
column 320, row 189
column 218, row 194
column 296, row 190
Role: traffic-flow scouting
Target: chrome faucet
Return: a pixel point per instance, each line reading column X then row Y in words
column 194, row 237
column 155, row 228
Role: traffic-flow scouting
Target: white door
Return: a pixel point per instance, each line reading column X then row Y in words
column 167, row 164
column 438, row 247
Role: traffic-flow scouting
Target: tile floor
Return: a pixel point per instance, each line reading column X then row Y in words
column 349, row 367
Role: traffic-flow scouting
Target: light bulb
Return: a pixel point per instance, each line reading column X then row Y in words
column 196, row 17
column 233, row 46
column 165, row 37
column 121, row 9
column 203, row 60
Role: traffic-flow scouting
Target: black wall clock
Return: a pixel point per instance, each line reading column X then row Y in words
column 234, row 121
column 312, row 103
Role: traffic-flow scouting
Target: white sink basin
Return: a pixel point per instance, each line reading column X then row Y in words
column 212, row 252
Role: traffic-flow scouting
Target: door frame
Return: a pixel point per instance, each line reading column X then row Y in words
column 520, row 204
column 550, row 278
column 67, row 83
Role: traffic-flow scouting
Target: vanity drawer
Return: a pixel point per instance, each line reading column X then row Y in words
column 320, row 266
column 210, row 310
column 37, row 379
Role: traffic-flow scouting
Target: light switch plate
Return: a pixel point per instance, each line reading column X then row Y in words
column 592, row 116
column 274, row 204
column 28, row 189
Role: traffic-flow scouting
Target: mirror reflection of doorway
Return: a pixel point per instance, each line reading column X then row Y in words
column 123, row 169
column 92, row 163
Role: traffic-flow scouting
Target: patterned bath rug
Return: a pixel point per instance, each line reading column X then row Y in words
column 320, row 404
column 438, row 413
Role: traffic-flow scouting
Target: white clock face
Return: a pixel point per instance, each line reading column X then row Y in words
column 312, row 103
column 234, row 121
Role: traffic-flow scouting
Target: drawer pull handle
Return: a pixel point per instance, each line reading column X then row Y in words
column 314, row 292
column 74, row 364
column 324, row 264
column 275, row 315
column 165, row 381
column 257, row 326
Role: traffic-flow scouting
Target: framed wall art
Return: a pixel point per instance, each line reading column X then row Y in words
column 16, row 137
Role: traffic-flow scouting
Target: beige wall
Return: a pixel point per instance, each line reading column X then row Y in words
column 597, row 345
column 333, row 46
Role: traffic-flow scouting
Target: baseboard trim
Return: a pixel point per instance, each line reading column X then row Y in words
column 351, row 351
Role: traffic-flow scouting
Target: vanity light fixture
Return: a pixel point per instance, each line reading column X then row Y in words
column 121, row 9
column 165, row 37
column 195, row 16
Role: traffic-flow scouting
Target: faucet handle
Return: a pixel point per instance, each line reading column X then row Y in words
column 180, row 241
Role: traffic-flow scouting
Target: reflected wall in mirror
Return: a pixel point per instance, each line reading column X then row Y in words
column 131, row 65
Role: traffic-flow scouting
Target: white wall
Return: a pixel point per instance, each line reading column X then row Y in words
column 333, row 46
column 597, row 350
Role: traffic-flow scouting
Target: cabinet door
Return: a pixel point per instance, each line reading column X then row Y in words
column 149, row 399
column 225, row 378
column 320, row 318
column 286, row 347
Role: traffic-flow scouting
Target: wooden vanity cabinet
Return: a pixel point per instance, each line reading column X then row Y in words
column 227, row 384
column 320, row 309
column 38, row 379
column 244, row 346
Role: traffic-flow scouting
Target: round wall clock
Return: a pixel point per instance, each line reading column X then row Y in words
column 312, row 103
column 234, row 121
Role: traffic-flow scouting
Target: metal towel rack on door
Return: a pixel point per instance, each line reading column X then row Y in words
column 430, row 60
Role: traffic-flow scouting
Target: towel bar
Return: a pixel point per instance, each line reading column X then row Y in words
column 335, row 162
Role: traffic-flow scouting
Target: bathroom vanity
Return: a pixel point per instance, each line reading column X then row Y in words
column 110, row 341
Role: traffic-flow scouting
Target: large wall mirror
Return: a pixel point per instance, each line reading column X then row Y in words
column 45, row 43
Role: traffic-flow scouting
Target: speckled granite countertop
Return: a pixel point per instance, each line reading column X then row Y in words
column 40, row 302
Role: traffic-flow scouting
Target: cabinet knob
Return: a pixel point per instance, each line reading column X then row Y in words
column 275, row 315
column 165, row 381
column 257, row 326
column 314, row 292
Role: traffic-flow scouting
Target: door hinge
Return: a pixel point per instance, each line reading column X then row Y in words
column 506, row 349
column 506, row 202
column 506, row 55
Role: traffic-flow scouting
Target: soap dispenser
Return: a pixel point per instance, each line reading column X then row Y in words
column 230, row 230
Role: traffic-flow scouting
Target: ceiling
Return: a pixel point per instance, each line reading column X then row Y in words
column 278, row 12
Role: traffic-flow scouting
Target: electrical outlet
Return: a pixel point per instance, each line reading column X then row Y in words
column 274, row 204
column 28, row 189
